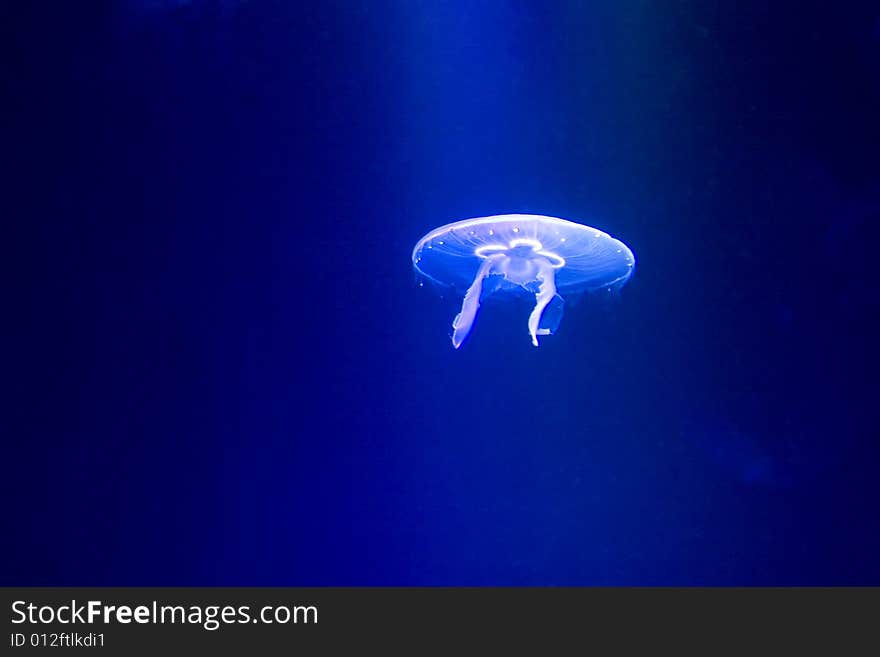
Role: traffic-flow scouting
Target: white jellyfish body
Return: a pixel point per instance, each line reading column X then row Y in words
column 545, row 256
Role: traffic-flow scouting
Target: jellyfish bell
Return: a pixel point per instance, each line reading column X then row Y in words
column 545, row 256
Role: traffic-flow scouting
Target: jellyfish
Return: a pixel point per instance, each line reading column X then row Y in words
column 544, row 256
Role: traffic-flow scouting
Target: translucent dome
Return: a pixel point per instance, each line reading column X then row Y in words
column 545, row 256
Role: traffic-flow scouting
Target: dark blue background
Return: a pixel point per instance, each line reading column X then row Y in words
column 220, row 368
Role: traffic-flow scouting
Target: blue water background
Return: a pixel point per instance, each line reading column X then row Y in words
column 220, row 367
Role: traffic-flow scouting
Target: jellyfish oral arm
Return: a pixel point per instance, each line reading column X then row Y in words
column 464, row 320
column 545, row 275
column 547, row 290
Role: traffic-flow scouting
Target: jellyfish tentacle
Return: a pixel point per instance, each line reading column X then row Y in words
column 545, row 294
column 464, row 320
